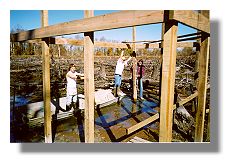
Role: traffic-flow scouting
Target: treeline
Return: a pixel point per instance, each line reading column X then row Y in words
column 17, row 48
column 70, row 51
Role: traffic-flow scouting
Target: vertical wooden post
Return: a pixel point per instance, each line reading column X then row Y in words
column 46, row 92
column 208, row 127
column 46, row 82
column 202, row 84
column 206, row 14
column 134, row 65
column 160, row 61
column 89, row 82
column 168, row 80
column 44, row 18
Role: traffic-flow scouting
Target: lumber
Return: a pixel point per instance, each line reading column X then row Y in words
column 192, row 19
column 168, row 80
column 142, row 124
column 111, row 44
column 202, row 82
column 89, row 87
column 191, row 34
column 46, row 84
column 134, row 67
column 44, row 18
column 103, row 22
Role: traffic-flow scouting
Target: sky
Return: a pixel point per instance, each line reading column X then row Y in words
column 30, row 19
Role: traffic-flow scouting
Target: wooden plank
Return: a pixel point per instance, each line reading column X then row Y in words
column 134, row 66
column 46, row 83
column 183, row 101
column 203, row 74
column 103, row 22
column 192, row 19
column 89, row 87
column 168, row 80
column 142, row 124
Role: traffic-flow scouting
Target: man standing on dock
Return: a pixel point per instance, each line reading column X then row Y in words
column 122, row 61
column 71, row 77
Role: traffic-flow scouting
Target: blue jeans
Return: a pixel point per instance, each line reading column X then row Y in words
column 140, row 82
column 117, row 80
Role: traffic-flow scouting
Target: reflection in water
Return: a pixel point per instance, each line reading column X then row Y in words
column 119, row 114
column 111, row 122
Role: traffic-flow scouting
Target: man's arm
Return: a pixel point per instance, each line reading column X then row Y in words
column 79, row 74
column 122, row 53
column 71, row 75
column 128, row 59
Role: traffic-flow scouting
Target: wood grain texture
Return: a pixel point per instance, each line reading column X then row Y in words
column 192, row 19
column 89, row 87
column 202, row 84
column 103, row 22
column 168, row 80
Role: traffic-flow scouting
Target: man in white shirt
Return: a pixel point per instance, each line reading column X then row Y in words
column 122, row 61
column 71, row 77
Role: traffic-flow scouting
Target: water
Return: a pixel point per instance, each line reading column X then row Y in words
column 111, row 122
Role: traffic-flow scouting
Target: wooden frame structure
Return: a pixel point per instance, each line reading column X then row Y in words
column 168, row 43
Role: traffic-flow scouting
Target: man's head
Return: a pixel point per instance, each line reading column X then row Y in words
column 72, row 67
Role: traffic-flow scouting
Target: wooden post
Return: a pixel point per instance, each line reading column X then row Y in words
column 46, row 82
column 89, row 88
column 134, row 65
column 202, row 83
column 206, row 14
column 46, row 92
column 161, row 57
column 168, row 80
column 44, row 18
column 208, row 127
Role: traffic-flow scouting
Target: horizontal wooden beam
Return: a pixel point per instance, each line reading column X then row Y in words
column 143, row 41
column 118, row 45
column 189, row 38
column 103, row 22
column 191, row 34
column 192, row 19
column 110, row 44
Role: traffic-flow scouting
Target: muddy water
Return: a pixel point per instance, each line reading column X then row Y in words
column 111, row 123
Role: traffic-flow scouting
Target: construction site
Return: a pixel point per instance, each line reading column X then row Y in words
column 175, row 106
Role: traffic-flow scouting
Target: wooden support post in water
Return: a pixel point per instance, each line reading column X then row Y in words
column 134, row 65
column 46, row 82
column 203, row 74
column 89, row 87
column 168, row 79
